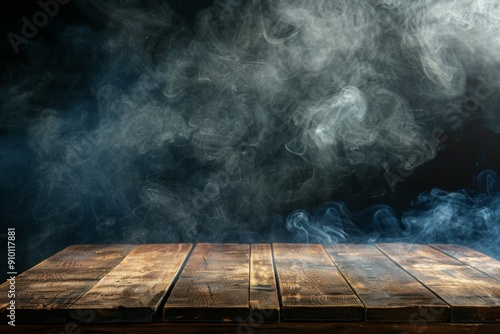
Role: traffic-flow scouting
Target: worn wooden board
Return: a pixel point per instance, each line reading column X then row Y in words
column 388, row 292
column 214, row 285
column 475, row 259
column 44, row 293
column 311, row 287
column 472, row 295
column 251, row 286
column 134, row 289
column 264, row 303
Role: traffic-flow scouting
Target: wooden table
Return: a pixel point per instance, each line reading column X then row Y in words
column 241, row 288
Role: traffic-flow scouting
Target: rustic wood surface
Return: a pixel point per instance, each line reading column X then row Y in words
column 282, row 288
column 311, row 286
column 264, row 303
column 133, row 290
column 475, row 259
column 472, row 295
column 44, row 293
column 388, row 292
column 214, row 285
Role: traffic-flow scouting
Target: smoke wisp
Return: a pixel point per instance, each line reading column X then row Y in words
column 142, row 126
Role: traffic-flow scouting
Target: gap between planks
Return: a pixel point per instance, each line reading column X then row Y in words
column 214, row 285
column 266, row 264
column 473, row 258
column 312, row 287
column 388, row 292
column 135, row 288
column 263, row 291
column 45, row 291
column 472, row 295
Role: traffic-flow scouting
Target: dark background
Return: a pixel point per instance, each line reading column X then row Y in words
column 463, row 157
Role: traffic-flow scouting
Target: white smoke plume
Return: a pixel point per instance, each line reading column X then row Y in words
column 216, row 130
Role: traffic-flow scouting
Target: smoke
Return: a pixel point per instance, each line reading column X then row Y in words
column 469, row 217
column 145, row 127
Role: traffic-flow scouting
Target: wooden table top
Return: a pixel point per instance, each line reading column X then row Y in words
column 393, row 287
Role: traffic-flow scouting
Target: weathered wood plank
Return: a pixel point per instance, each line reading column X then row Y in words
column 44, row 292
column 388, row 292
column 214, row 285
column 135, row 288
column 311, row 287
column 475, row 259
column 472, row 295
column 264, row 304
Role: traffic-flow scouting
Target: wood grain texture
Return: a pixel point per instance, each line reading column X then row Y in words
column 134, row 289
column 472, row 295
column 214, row 285
column 475, row 259
column 44, row 292
column 237, row 284
column 264, row 303
column 388, row 292
column 311, row 287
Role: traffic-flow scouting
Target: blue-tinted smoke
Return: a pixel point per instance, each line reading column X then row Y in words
column 467, row 217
